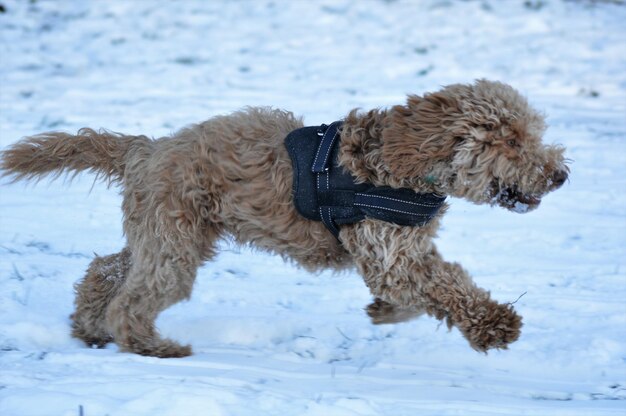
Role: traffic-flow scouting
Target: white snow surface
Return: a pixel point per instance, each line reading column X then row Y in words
column 269, row 338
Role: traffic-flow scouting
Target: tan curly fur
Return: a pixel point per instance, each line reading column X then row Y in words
column 231, row 176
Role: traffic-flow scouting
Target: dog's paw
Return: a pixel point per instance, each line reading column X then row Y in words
column 381, row 312
column 91, row 334
column 172, row 349
column 161, row 348
column 496, row 326
column 97, row 342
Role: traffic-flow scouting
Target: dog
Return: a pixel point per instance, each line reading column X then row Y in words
column 232, row 177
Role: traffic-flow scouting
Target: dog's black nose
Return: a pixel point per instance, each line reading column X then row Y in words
column 559, row 178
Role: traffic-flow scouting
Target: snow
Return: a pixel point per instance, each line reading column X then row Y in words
column 270, row 339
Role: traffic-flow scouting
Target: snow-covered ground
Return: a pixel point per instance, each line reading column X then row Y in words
column 270, row 339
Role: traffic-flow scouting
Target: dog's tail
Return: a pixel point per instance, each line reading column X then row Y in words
column 102, row 152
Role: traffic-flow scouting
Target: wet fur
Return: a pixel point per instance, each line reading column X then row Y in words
column 232, row 176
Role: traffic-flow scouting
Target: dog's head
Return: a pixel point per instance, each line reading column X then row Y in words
column 481, row 142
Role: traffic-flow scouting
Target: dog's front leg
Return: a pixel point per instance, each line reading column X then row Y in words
column 407, row 275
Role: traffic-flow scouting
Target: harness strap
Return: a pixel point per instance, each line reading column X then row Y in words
column 396, row 205
column 321, row 169
column 326, row 211
column 320, row 163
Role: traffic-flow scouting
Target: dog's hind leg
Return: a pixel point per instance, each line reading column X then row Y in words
column 158, row 278
column 94, row 292
column 163, row 270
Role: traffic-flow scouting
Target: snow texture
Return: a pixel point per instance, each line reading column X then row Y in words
column 271, row 339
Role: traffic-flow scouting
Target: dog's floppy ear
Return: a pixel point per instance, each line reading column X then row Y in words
column 419, row 134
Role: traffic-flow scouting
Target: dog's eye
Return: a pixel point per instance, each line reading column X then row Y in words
column 511, row 143
column 488, row 127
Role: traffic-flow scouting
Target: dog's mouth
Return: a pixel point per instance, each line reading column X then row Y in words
column 514, row 200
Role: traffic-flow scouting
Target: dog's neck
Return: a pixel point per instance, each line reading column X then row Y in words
column 361, row 153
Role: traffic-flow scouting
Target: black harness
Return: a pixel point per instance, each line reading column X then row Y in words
column 324, row 191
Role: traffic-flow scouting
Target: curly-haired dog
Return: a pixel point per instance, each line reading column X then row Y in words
column 232, row 176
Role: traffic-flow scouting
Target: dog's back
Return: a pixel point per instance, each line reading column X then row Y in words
column 231, row 173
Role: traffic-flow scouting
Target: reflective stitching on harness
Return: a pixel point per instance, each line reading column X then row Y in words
column 331, row 222
column 400, row 200
column 319, row 187
column 328, row 221
column 328, row 218
column 391, row 209
column 332, row 143
column 320, row 147
column 330, row 146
